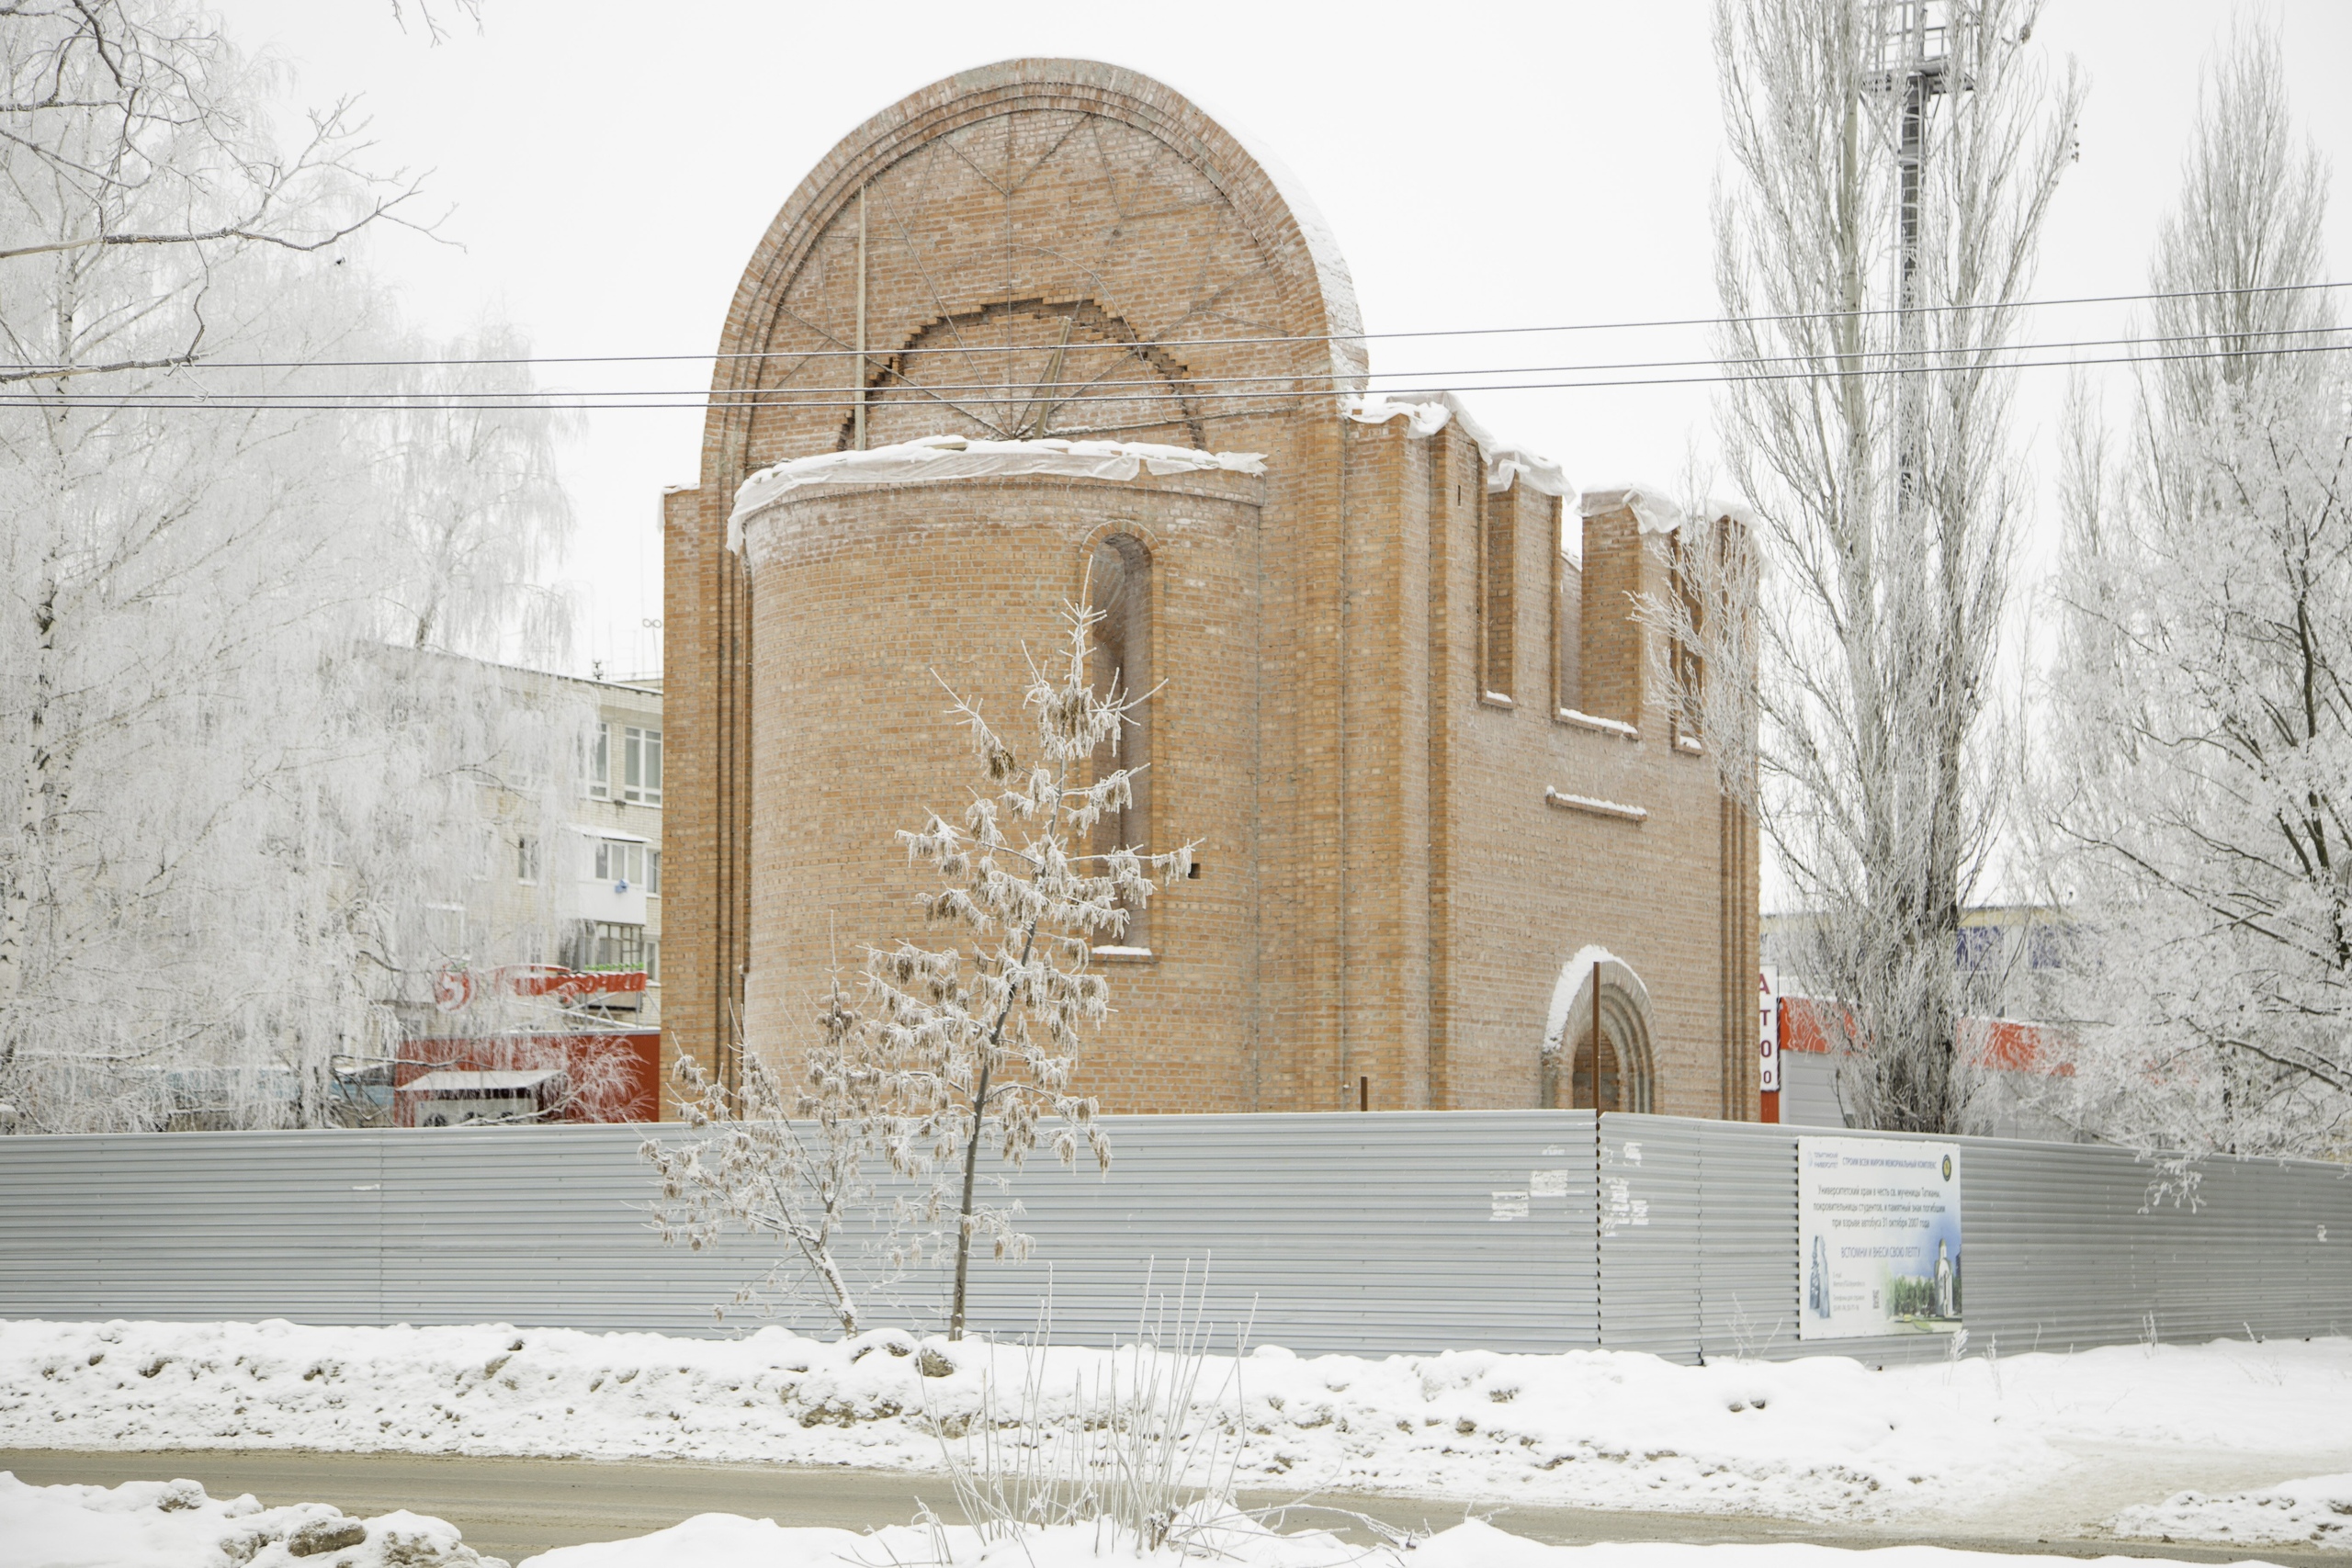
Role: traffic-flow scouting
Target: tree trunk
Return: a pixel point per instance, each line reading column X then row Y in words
column 972, row 1150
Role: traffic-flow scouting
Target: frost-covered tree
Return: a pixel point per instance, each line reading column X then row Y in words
column 790, row 1164
column 228, row 809
column 477, row 509
column 2202, row 695
column 951, row 1049
column 1888, row 186
column 978, row 1037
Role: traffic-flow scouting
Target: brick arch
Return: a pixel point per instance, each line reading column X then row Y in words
column 1246, row 200
column 1627, row 1028
column 887, row 377
column 1135, row 528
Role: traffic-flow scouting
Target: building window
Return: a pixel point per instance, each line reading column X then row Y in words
column 527, row 859
column 1498, row 593
column 600, row 763
column 638, row 864
column 604, row 946
column 1567, row 620
column 1118, row 580
column 641, row 765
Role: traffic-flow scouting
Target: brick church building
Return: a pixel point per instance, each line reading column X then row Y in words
column 1456, row 850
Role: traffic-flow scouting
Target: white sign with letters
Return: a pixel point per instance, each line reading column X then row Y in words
column 1768, row 1022
column 1878, row 1231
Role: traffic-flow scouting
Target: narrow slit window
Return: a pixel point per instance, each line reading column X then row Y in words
column 1119, row 591
column 1498, row 593
column 1689, row 668
column 1567, row 620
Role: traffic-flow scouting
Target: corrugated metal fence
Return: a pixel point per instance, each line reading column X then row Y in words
column 1529, row 1230
column 1372, row 1233
column 2068, row 1245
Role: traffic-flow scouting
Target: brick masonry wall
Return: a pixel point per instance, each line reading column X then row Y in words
column 1407, row 895
column 1148, row 221
column 1505, row 886
column 964, row 583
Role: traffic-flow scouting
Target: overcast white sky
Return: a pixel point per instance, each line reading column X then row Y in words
column 607, row 167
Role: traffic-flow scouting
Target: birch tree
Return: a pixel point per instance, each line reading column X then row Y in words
column 979, row 1037
column 210, row 865
column 1887, row 191
column 2201, row 699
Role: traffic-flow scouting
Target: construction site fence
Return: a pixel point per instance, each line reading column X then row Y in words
column 1373, row 1234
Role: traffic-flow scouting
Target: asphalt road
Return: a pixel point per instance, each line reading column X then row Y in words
column 513, row 1507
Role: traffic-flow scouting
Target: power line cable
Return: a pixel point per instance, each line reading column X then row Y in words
column 1188, row 387
column 699, row 401
column 1239, row 342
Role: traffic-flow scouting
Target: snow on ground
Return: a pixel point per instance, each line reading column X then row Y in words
column 2314, row 1511
column 152, row 1524
column 1822, row 1438
column 726, row 1540
column 172, row 1524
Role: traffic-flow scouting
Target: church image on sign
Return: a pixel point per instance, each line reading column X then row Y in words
column 1044, row 330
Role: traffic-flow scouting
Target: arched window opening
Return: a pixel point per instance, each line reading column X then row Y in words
column 1596, row 1053
column 1568, row 617
column 1119, row 592
column 1597, row 1085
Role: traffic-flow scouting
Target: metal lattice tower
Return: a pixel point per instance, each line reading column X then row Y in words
column 1912, row 48
column 1911, row 67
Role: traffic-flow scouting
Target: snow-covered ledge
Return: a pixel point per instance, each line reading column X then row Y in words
column 933, row 458
column 1594, row 806
column 1432, row 411
column 1616, row 726
column 1654, row 511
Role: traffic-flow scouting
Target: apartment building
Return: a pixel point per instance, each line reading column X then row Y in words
column 549, row 1003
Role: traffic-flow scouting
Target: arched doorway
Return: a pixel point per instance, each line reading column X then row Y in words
column 1596, row 1052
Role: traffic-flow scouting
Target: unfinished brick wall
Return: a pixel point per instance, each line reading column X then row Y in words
column 962, row 582
column 1615, row 676
column 1060, row 248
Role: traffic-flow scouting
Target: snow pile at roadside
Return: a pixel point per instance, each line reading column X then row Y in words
column 153, row 1524
column 2315, row 1511
column 172, row 1524
column 1817, row 1438
column 725, row 1540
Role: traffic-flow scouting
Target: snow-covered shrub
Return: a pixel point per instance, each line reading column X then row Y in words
column 783, row 1163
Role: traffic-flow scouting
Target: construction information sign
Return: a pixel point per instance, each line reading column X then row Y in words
column 1878, row 1229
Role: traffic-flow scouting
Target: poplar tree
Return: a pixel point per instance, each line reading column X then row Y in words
column 1874, row 241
